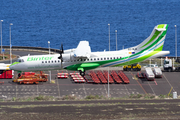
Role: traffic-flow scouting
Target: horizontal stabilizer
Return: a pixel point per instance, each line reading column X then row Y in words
column 161, row 27
column 83, row 50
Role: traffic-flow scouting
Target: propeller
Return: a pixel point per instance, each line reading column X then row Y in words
column 61, row 52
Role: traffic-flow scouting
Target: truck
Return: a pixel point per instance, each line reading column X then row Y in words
column 134, row 67
column 168, row 65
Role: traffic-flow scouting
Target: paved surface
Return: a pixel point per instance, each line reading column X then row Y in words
column 63, row 87
column 92, row 110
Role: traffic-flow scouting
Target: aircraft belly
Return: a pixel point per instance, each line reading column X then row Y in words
column 85, row 66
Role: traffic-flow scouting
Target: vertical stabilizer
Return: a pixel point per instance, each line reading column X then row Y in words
column 156, row 40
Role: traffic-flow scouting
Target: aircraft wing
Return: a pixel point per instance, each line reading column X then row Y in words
column 83, row 50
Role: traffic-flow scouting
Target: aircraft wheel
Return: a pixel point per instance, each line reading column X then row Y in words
column 82, row 73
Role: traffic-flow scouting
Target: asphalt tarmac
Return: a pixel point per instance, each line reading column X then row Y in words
column 92, row 110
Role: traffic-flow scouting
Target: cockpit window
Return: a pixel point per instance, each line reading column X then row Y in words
column 20, row 60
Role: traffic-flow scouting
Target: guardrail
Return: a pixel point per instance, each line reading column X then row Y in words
column 39, row 49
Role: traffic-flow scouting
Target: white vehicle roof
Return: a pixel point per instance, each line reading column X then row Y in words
column 149, row 71
column 157, row 70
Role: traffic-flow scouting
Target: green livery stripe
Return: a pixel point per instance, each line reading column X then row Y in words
column 14, row 63
column 153, row 37
column 138, row 59
column 161, row 26
column 160, row 37
column 159, row 49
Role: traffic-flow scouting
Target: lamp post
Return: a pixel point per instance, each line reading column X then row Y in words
column 1, row 38
column 108, row 82
column 116, row 39
column 49, row 46
column 175, row 40
column 49, row 54
column 109, row 36
column 10, row 41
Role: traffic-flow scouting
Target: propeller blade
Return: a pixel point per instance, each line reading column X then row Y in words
column 61, row 49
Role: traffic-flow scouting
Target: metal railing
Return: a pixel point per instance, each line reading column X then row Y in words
column 26, row 48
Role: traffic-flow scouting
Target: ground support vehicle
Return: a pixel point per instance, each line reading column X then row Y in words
column 158, row 73
column 101, row 77
column 94, row 77
column 62, row 75
column 123, row 77
column 110, row 77
column 140, row 75
column 88, row 78
column 6, row 74
column 168, row 65
column 134, row 67
column 31, row 78
column 149, row 74
column 77, row 78
column 116, row 78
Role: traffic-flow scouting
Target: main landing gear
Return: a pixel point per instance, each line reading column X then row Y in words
column 82, row 73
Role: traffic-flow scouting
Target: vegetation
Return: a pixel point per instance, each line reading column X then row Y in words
column 6, row 56
column 89, row 97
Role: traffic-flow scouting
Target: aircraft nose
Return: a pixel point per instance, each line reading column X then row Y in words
column 11, row 67
column 14, row 66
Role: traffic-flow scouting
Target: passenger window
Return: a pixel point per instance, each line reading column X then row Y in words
column 55, row 61
column 94, row 58
column 52, row 61
column 111, row 58
column 42, row 61
column 104, row 58
column 114, row 58
column 97, row 58
column 45, row 61
column 101, row 58
column 107, row 58
column 91, row 59
column 87, row 59
column 84, row 59
column 48, row 61
column 117, row 58
column 58, row 60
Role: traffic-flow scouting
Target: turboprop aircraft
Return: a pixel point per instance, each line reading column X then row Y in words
column 82, row 59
